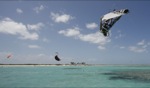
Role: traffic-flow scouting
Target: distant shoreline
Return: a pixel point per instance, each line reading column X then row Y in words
column 75, row 65
column 42, row 65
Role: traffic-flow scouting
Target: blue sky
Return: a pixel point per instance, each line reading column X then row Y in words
column 32, row 31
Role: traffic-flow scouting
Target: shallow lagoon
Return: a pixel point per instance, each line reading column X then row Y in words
column 103, row 76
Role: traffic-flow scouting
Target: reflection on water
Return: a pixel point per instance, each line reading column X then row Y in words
column 130, row 75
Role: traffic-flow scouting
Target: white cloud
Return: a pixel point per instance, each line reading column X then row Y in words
column 136, row 49
column 101, row 47
column 41, row 55
column 120, row 35
column 35, row 26
column 45, row 40
column 91, row 25
column 19, row 11
column 70, row 32
column 27, row 35
column 94, row 38
column 140, row 47
column 141, row 42
column 121, row 47
column 38, row 9
column 8, row 26
column 34, row 46
column 63, row 18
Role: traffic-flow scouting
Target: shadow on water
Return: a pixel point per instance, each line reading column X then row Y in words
column 143, row 76
column 72, row 68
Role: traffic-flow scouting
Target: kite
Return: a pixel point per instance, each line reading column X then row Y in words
column 9, row 56
column 56, row 57
column 109, row 19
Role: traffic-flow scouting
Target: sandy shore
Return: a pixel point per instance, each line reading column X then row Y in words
column 3, row 65
column 9, row 65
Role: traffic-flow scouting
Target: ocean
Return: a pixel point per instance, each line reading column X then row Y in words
column 104, row 76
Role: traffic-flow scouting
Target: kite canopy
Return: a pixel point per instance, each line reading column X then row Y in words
column 109, row 19
column 9, row 56
column 56, row 57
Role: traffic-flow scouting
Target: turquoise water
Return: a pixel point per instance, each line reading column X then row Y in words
column 75, row 76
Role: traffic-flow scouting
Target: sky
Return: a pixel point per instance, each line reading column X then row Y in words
column 33, row 31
